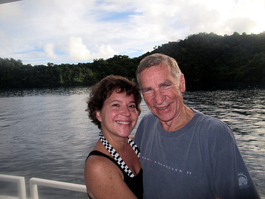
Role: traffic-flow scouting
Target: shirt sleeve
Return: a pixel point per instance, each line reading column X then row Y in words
column 231, row 176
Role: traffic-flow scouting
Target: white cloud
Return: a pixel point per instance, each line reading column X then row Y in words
column 49, row 50
column 42, row 31
column 77, row 49
column 253, row 13
column 104, row 51
column 6, row 44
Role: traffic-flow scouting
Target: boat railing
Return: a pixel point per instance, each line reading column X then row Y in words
column 20, row 181
column 35, row 182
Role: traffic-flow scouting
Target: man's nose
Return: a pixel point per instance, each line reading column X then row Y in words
column 159, row 97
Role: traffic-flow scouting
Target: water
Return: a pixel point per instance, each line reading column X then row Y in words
column 46, row 133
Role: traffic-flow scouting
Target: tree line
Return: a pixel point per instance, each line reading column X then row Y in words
column 203, row 58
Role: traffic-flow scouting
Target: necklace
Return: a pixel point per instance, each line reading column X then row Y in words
column 117, row 157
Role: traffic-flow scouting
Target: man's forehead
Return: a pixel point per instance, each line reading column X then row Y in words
column 149, row 82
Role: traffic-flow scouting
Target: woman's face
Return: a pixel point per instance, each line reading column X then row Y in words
column 118, row 115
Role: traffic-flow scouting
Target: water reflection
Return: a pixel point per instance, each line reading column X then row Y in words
column 43, row 91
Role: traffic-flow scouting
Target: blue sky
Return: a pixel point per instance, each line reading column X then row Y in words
column 78, row 31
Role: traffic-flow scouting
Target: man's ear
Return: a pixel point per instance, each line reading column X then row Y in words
column 98, row 116
column 182, row 83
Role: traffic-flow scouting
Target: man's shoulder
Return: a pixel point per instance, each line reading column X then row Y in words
column 207, row 118
column 212, row 126
column 149, row 116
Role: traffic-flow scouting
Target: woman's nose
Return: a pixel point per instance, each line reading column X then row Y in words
column 126, row 111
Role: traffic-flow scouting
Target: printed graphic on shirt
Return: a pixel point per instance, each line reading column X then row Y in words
column 165, row 166
column 242, row 181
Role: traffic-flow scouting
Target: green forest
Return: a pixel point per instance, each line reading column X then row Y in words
column 203, row 58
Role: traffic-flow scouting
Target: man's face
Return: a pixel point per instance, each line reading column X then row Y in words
column 162, row 92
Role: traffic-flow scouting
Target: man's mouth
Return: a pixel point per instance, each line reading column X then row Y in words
column 162, row 108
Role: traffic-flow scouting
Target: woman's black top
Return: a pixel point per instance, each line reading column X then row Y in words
column 134, row 183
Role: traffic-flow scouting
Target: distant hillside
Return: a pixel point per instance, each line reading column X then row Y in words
column 210, row 57
column 202, row 58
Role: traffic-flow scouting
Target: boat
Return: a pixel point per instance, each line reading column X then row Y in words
column 34, row 183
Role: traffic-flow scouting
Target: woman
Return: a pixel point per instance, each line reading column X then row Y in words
column 112, row 169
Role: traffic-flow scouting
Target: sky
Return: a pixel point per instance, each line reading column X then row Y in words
column 79, row 31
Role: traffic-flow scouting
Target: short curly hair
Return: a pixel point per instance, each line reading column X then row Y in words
column 103, row 89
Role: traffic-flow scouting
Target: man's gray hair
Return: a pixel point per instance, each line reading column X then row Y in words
column 156, row 60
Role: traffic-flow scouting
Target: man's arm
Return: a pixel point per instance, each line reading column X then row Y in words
column 232, row 178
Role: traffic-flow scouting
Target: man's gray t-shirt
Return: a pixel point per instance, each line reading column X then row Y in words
column 200, row 160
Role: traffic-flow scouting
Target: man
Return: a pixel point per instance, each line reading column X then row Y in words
column 185, row 154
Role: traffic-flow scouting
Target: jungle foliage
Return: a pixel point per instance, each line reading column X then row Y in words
column 203, row 57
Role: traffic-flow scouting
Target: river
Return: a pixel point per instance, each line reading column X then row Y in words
column 46, row 133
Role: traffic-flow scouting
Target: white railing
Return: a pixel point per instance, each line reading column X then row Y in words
column 54, row 184
column 20, row 184
column 34, row 182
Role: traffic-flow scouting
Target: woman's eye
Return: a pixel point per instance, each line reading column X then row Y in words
column 116, row 105
column 132, row 106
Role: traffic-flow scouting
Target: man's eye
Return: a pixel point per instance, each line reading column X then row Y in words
column 148, row 90
column 165, row 85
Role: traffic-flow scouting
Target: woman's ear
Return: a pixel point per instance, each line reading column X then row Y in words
column 98, row 116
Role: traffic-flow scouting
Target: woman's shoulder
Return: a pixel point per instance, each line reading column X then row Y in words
column 98, row 161
column 100, row 172
column 99, row 168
